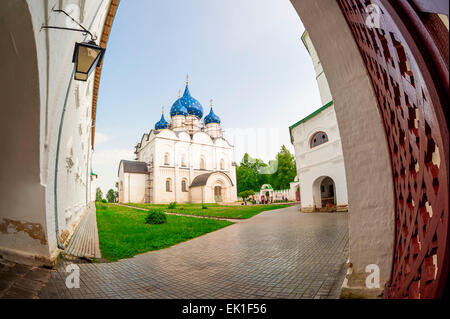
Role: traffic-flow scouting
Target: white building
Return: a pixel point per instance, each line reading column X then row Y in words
column 318, row 150
column 186, row 160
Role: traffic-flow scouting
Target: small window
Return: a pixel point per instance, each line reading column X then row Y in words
column 183, row 161
column 184, row 185
column 166, row 159
column 222, row 164
column 319, row 138
column 202, row 163
column 168, row 185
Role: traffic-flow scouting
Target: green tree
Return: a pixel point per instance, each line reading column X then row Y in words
column 287, row 170
column 252, row 173
column 248, row 173
column 110, row 196
column 98, row 195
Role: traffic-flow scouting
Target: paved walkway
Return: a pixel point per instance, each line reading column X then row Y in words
column 21, row 282
column 276, row 254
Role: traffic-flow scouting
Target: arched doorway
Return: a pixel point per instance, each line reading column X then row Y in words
column 327, row 193
column 266, row 193
column 218, row 193
column 324, row 193
column 22, row 131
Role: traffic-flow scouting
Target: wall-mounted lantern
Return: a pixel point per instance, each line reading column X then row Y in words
column 87, row 55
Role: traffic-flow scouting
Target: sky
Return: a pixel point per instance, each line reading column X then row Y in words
column 245, row 55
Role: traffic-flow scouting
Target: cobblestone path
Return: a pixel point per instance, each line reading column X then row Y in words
column 276, row 254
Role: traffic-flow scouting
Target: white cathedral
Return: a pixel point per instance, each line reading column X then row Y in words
column 185, row 160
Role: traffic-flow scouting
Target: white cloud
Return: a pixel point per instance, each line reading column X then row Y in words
column 111, row 156
column 106, row 163
column 101, row 138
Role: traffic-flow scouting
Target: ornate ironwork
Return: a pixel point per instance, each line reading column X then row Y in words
column 407, row 60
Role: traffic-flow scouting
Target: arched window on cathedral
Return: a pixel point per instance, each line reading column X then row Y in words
column 183, row 160
column 184, row 185
column 222, row 164
column 166, row 159
column 318, row 139
column 202, row 163
column 168, row 185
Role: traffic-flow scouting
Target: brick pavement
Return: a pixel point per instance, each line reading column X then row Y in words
column 20, row 281
column 276, row 254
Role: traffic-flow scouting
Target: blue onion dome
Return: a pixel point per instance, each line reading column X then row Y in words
column 162, row 124
column 178, row 109
column 192, row 106
column 212, row 118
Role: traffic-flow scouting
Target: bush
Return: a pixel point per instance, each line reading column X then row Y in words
column 173, row 205
column 204, row 206
column 104, row 201
column 155, row 218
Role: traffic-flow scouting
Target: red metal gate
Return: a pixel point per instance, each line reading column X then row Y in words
column 406, row 55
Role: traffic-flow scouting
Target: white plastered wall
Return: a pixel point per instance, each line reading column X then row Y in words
column 364, row 145
column 44, row 58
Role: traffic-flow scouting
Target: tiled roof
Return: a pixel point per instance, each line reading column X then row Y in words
column 134, row 167
column 201, row 180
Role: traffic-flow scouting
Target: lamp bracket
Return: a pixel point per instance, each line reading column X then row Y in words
column 82, row 30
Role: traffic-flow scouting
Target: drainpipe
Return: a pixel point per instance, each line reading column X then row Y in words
column 58, row 144
column 60, row 245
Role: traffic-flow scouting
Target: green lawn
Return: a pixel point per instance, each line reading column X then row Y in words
column 214, row 210
column 123, row 233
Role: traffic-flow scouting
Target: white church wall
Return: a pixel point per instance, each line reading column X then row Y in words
column 131, row 187
column 161, row 195
column 136, row 187
column 196, row 194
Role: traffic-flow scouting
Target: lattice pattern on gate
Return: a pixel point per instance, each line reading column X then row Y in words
column 409, row 73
